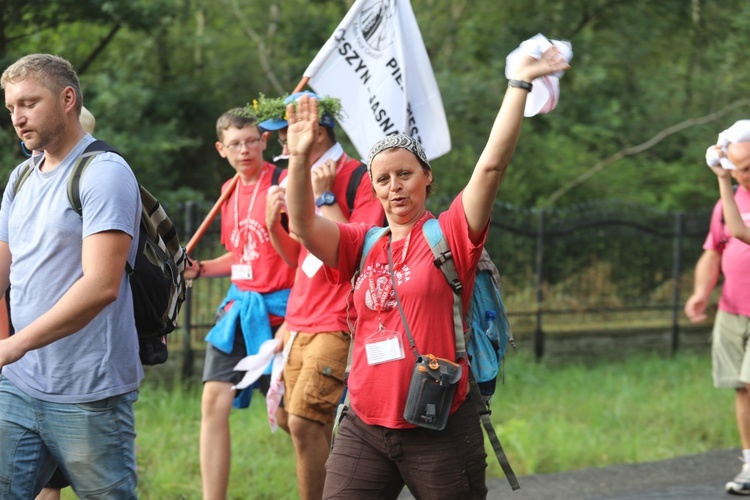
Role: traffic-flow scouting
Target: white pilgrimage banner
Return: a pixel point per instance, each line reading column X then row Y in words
column 377, row 64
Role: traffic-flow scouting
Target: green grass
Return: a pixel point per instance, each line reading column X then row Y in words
column 168, row 424
column 637, row 410
column 548, row 419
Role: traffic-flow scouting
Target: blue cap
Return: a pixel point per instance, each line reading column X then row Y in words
column 273, row 124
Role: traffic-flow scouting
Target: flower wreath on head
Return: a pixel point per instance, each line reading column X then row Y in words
column 246, row 112
column 267, row 108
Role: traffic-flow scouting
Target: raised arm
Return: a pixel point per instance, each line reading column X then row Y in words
column 319, row 235
column 732, row 217
column 482, row 188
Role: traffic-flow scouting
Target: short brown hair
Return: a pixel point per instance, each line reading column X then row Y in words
column 237, row 118
column 52, row 71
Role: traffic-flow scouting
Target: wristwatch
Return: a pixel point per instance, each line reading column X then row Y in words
column 520, row 84
column 327, row 198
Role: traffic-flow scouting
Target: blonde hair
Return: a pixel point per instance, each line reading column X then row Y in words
column 53, row 72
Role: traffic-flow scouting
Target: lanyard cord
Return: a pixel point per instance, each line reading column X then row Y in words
column 236, row 232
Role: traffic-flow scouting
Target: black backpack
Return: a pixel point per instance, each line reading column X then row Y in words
column 156, row 281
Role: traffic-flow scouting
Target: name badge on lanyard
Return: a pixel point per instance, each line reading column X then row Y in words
column 242, row 272
column 383, row 346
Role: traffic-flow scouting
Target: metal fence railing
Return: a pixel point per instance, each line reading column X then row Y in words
column 583, row 268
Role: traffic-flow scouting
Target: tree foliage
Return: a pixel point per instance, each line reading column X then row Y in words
column 157, row 74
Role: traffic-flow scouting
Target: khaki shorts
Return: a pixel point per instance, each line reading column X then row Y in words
column 314, row 374
column 731, row 359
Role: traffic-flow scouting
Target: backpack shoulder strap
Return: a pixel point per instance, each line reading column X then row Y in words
column 23, row 174
column 372, row 236
column 276, row 175
column 353, row 186
column 484, row 417
column 74, row 182
column 444, row 261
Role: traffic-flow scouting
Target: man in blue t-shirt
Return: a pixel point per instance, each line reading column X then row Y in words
column 70, row 373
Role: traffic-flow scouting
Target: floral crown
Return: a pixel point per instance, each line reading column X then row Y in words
column 246, row 112
column 270, row 108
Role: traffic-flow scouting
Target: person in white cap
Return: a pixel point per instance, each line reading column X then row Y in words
column 725, row 252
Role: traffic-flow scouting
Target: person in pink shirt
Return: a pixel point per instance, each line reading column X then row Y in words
column 727, row 253
column 376, row 451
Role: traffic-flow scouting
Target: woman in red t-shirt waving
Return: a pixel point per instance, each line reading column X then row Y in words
column 404, row 303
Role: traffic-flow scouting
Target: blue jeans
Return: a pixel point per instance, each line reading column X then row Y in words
column 93, row 443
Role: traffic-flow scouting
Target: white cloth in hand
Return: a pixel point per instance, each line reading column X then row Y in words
column 545, row 92
column 739, row 132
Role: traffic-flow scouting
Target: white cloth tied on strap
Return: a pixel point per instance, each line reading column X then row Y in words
column 739, row 132
column 545, row 92
column 255, row 365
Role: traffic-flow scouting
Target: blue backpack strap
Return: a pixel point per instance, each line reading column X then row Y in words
column 444, row 261
column 372, row 236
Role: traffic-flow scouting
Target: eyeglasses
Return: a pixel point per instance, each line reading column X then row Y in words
column 237, row 146
column 282, row 142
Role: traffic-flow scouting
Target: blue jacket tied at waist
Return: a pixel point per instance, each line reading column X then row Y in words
column 249, row 311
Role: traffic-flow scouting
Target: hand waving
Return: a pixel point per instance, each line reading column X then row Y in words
column 302, row 118
column 552, row 61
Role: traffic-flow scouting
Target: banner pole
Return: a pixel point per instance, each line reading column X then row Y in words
column 211, row 215
column 301, row 84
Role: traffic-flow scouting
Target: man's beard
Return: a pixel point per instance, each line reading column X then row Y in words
column 51, row 131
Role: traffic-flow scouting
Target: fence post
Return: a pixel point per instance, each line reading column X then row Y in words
column 539, row 333
column 187, row 351
column 676, row 272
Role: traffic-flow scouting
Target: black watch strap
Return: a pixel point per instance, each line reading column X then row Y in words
column 520, row 84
